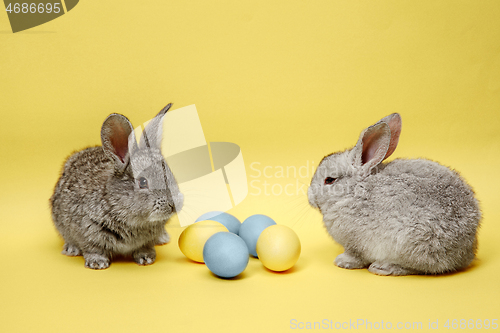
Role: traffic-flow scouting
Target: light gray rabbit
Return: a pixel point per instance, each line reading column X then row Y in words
column 115, row 199
column 408, row 216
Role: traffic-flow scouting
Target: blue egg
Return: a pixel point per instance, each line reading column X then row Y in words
column 251, row 229
column 225, row 254
column 229, row 221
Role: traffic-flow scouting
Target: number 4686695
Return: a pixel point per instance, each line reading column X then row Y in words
column 471, row 324
column 33, row 8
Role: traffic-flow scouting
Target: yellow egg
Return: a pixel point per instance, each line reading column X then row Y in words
column 278, row 248
column 193, row 238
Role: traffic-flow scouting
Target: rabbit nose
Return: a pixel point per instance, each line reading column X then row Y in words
column 179, row 202
column 311, row 196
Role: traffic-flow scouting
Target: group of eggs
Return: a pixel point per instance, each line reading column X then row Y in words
column 224, row 244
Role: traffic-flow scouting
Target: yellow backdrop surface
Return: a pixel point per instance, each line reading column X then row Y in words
column 289, row 82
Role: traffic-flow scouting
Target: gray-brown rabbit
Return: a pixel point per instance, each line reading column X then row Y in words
column 408, row 216
column 115, row 199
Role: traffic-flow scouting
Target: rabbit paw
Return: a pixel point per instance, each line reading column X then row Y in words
column 71, row 250
column 163, row 239
column 145, row 256
column 96, row 261
column 381, row 268
column 347, row 261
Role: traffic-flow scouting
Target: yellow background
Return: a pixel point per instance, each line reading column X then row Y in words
column 288, row 81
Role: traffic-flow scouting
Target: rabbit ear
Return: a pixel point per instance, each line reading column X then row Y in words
column 395, row 123
column 152, row 134
column 115, row 135
column 372, row 146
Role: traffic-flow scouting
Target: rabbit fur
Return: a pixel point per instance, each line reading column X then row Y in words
column 115, row 199
column 408, row 216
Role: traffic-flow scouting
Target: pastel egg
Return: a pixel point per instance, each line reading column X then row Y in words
column 278, row 248
column 229, row 221
column 252, row 227
column 225, row 254
column 193, row 238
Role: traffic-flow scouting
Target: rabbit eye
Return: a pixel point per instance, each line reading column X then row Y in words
column 143, row 182
column 329, row 180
